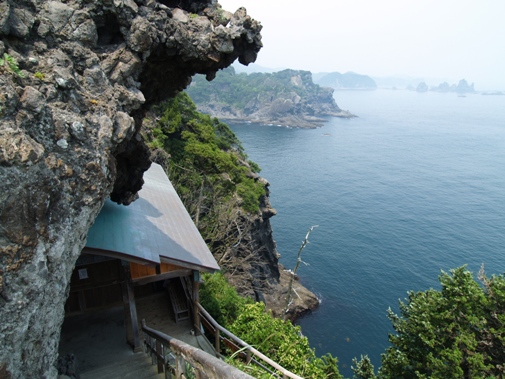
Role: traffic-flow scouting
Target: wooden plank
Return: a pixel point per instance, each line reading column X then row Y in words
column 167, row 267
column 234, row 348
column 179, row 303
column 138, row 270
column 208, row 326
column 164, row 276
column 134, row 270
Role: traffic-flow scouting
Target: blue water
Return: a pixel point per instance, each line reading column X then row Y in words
column 413, row 186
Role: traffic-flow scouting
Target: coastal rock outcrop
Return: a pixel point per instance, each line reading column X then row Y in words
column 75, row 81
column 287, row 98
column 461, row 87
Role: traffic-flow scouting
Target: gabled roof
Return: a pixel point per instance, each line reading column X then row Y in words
column 154, row 228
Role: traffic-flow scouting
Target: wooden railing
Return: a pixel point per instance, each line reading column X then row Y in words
column 248, row 353
column 180, row 360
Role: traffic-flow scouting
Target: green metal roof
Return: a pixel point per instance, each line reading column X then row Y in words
column 154, row 228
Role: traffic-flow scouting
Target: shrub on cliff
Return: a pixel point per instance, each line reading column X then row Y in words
column 207, row 160
column 282, row 342
column 221, row 300
column 278, row 339
column 455, row 332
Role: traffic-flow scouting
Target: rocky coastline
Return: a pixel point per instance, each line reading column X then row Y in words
column 286, row 98
column 289, row 121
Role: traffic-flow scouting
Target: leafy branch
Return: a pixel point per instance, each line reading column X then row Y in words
column 9, row 63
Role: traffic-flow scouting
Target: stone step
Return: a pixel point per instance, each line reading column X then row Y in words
column 138, row 366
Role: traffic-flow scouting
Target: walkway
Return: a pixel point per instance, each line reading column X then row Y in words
column 98, row 337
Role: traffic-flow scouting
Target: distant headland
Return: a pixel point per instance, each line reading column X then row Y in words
column 286, row 98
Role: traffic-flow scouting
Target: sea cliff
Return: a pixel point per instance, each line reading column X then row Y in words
column 77, row 79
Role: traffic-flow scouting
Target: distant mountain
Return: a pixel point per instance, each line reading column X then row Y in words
column 288, row 98
column 349, row 80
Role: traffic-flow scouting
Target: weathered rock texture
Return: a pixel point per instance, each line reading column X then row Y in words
column 68, row 136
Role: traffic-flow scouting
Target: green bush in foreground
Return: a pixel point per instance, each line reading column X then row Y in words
column 220, row 299
column 457, row 332
column 280, row 340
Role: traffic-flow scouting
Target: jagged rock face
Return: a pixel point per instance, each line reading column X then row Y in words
column 256, row 270
column 69, row 136
column 252, row 263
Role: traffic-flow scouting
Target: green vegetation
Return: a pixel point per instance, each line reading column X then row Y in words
column 39, row 75
column 457, row 332
column 278, row 339
column 220, row 299
column 237, row 90
column 207, row 162
column 9, row 64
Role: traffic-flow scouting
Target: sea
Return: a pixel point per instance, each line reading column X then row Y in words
column 413, row 186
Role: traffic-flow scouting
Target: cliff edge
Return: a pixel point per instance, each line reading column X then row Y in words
column 76, row 80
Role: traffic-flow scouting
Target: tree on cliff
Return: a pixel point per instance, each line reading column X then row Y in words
column 455, row 332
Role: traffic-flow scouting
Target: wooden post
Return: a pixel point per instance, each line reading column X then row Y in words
column 248, row 356
column 129, row 299
column 159, row 355
column 196, row 301
column 180, row 367
column 217, row 342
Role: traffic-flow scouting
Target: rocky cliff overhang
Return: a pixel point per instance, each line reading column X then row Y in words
column 69, row 135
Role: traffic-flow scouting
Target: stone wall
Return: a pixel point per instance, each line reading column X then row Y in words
column 69, row 136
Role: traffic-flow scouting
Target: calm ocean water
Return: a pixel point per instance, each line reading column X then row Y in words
column 413, row 186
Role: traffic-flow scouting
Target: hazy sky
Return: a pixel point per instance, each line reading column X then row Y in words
column 442, row 39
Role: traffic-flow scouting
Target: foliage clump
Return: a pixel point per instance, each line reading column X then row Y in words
column 452, row 333
column 9, row 64
column 220, row 299
column 39, row 75
column 278, row 339
column 207, row 160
